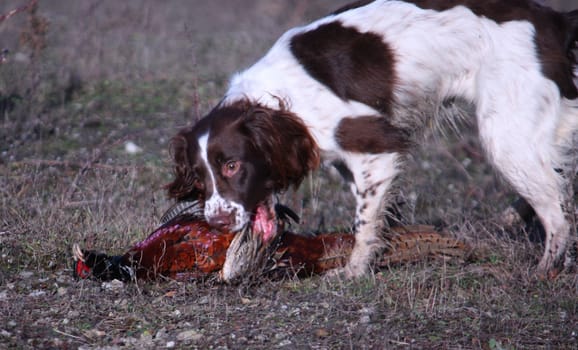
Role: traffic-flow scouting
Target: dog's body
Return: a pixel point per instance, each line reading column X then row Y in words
column 362, row 84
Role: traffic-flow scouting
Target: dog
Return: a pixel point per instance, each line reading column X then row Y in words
column 361, row 85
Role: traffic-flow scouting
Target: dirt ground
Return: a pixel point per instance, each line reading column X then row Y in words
column 91, row 93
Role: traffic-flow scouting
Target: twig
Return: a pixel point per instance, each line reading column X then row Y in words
column 399, row 342
column 18, row 10
column 70, row 335
column 79, row 204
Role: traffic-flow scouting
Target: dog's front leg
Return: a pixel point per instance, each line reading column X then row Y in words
column 372, row 175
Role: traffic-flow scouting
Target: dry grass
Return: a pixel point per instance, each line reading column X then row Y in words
column 65, row 177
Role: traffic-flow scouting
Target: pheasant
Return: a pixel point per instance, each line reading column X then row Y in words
column 186, row 247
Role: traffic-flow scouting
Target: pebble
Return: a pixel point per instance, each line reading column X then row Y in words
column 161, row 333
column 189, row 335
column 37, row 293
column 94, row 333
column 114, row 285
column 366, row 314
column 170, row 344
column 365, row 319
column 131, row 148
column 285, row 342
column 26, row 274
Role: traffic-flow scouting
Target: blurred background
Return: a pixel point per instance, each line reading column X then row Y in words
column 176, row 55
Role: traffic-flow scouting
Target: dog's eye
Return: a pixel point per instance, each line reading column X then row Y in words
column 231, row 168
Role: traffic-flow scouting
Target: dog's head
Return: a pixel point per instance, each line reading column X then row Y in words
column 236, row 157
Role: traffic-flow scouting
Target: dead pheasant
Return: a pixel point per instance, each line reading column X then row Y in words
column 185, row 247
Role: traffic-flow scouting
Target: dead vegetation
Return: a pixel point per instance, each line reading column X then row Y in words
column 70, row 112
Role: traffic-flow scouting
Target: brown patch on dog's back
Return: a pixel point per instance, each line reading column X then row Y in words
column 371, row 134
column 355, row 66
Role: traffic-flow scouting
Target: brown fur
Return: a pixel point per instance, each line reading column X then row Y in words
column 291, row 152
column 186, row 184
column 371, row 134
column 355, row 66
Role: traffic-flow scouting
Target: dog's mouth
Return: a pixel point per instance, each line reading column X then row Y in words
column 262, row 222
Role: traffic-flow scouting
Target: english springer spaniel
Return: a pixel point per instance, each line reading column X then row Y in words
column 361, row 85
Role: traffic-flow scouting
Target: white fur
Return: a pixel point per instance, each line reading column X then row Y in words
column 216, row 205
column 523, row 122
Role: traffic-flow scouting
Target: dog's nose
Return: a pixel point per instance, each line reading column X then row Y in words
column 221, row 219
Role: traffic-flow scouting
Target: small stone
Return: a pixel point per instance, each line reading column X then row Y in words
column 366, row 314
column 131, row 148
column 37, row 293
column 114, row 285
column 61, row 291
column 94, row 333
column 285, row 342
column 161, row 334
column 26, row 274
column 170, row 344
column 189, row 335
column 61, row 278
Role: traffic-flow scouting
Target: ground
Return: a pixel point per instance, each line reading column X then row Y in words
column 85, row 82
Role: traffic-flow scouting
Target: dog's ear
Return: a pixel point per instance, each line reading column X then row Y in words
column 289, row 149
column 186, row 185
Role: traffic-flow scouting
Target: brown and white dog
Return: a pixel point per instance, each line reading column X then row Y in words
column 360, row 85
